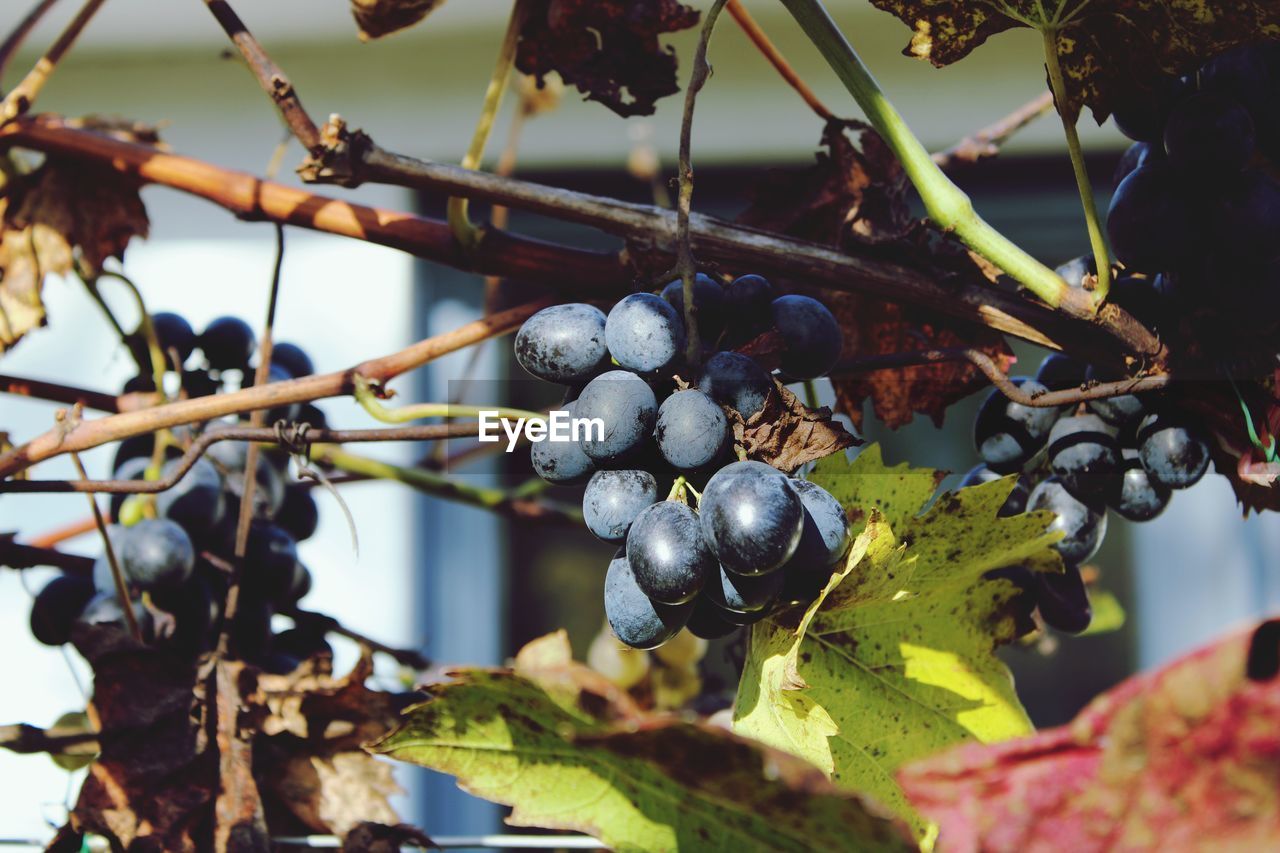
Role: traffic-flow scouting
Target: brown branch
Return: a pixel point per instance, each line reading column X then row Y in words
column 70, row 395
column 67, row 531
column 328, row 624
column 19, row 33
column 522, row 259
column 1066, row 397
column 270, row 76
column 258, row 435
column 21, row 556
column 25, row 739
column 766, row 47
column 986, row 142
column 24, row 94
column 87, row 434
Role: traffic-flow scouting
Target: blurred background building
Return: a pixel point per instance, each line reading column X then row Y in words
column 468, row 587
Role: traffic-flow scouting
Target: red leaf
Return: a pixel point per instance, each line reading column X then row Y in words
column 1184, row 757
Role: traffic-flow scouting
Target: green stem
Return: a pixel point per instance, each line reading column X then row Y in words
column 677, row 492
column 946, row 204
column 810, row 394
column 1097, row 237
column 369, row 401
column 464, row 231
column 494, row 499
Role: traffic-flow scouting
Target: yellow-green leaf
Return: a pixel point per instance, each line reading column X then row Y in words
column 659, row 785
column 1107, row 48
column 895, row 659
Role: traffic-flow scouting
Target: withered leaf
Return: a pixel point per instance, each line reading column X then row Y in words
column 855, row 195
column 1109, row 50
column 609, row 49
column 377, row 18
column 786, row 433
column 1216, row 405
column 369, row 837
column 64, row 213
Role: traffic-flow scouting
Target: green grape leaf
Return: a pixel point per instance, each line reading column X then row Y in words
column 895, row 659
column 1110, row 50
column 659, row 784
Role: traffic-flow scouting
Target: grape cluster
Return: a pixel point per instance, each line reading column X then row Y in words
column 1126, row 453
column 758, row 538
column 1197, row 204
column 172, row 549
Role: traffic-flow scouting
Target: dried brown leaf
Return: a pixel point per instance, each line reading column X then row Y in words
column 609, row 49
column 786, row 433
column 377, row 18
column 63, row 214
column 379, row 838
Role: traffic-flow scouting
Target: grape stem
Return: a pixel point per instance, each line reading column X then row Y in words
column 770, row 52
column 464, row 231
column 985, row 143
column 678, row 489
column 1093, row 223
column 946, row 204
column 685, row 264
column 20, row 99
column 366, row 394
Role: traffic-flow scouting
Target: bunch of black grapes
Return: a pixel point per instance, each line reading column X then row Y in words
column 1196, row 209
column 1126, row 453
column 173, row 552
column 758, row 538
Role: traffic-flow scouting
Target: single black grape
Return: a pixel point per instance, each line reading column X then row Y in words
column 174, row 333
column 1063, row 600
column 628, row 409
column 140, row 384
column 197, row 501
column 734, row 380
column 708, row 304
column 613, row 499
column 1150, row 222
column 710, row 621
column 298, row 513
column 751, row 517
column 810, row 333
column 561, row 462
column 228, row 343
column 563, row 343
column 748, row 301
column 1084, row 454
column 692, row 431
column 198, row 383
column 744, row 593
column 1143, row 116
column 637, row 620
column 105, row 610
column 1246, row 216
column 1083, row 526
column 1016, row 502
column 196, row 610
column 1137, row 154
column 667, row 554
column 56, row 608
column 644, row 333
column 156, row 554
column 293, row 359
column 824, row 540
column 1120, row 411
column 1007, row 434
column 1140, row 297
column 1171, row 452
column 270, row 557
column 1060, row 372
column 1209, row 135
column 1141, row 497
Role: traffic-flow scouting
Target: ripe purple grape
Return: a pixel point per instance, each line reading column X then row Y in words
column 637, row 620
column 736, row 381
column 628, row 408
column 692, row 431
column 810, row 333
column 667, row 554
column 644, row 333
column 563, row 343
column 751, row 517
column 1083, row 527
column 613, row 499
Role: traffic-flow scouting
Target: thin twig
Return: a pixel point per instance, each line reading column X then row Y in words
column 56, row 392
column 261, row 377
column 766, row 47
column 1066, row 397
column 685, row 265
column 24, row 94
column 404, row 657
column 122, row 589
column 986, row 142
column 25, row 739
column 601, row 273
column 270, row 76
column 89, row 434
column 13, row 41
column 58, row 535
